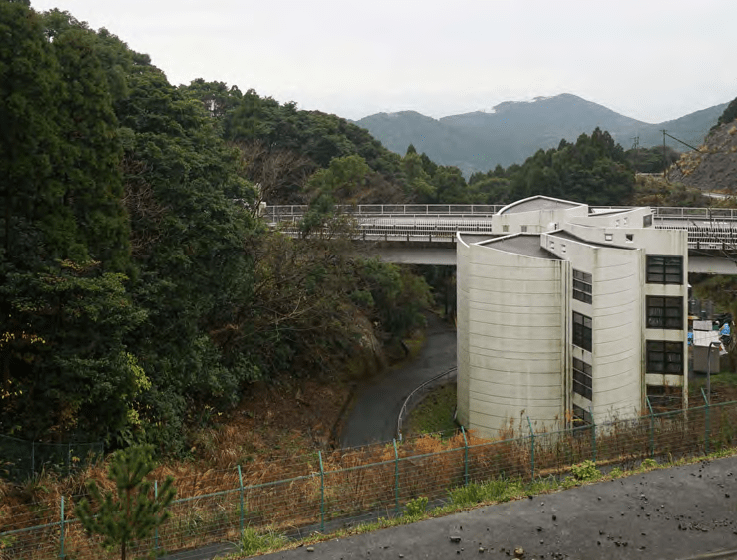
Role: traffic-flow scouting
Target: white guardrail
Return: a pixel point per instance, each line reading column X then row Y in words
column 419, row 393
column 708, row 228
column 288, row 212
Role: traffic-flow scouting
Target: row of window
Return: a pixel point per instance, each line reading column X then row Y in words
column 660, row 270
column 662, row 312
column 661, row 357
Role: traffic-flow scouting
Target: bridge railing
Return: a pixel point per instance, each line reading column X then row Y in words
column 680, row 213
column 290, row 212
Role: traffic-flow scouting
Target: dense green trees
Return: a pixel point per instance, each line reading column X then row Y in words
column 64, row 309
column 593, row 170
column 137, row 285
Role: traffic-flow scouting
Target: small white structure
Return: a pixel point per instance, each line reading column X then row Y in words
column 569, row 313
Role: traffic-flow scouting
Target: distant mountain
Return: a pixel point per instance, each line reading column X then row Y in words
column 479, row 141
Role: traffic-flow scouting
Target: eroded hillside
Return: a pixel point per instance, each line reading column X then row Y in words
column 714, row 166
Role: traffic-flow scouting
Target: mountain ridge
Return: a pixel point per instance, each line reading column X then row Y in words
column 514, row 130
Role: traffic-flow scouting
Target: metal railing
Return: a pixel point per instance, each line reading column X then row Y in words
column 290, row 212
column 326, row 490
column 708, row 228
column 419, row 393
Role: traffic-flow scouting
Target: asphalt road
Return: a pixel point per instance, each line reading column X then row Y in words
column 680, row 513
column 378, row 401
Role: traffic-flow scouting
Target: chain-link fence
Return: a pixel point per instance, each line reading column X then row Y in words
column 20, row 459
column 322, row 491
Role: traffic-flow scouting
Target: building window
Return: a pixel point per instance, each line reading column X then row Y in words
column 664, row 270
column 581, row 417
column 523, row 229
column 582, row 378
column 582, row 331
column 581, row 286
column 647, row 220
column 664, row 357
column 664, row 312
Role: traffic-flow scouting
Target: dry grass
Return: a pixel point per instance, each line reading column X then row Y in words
column 286, row 493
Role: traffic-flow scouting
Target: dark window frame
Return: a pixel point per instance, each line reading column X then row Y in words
column 664, row 269
column 582, row 379
column 582, row 286
column 582, row 331
column 580, row 416
column 664, row 312
column 664, row 357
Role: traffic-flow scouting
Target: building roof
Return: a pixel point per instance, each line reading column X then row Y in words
column 594, row 212
column 521, row 244
column 538, row 203
column 570, row 237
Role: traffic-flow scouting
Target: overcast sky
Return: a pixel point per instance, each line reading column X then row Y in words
column 651, row 60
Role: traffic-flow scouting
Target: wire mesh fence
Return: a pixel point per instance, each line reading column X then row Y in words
column 326, row 490
column 20, row 458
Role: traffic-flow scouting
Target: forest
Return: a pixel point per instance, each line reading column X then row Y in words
column 139, row 289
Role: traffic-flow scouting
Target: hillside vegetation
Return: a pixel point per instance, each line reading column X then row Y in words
column 140, row 292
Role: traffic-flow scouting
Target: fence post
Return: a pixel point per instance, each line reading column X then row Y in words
column 322, row 492
column 593, row 434
column 396, row 478
column 465, row 461
column 532, row 450
column 652, row 427
column 707, row 426
column 243, row 504
column 156, row 529
column 61, row 532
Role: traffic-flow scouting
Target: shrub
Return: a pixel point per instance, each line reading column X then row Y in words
column 416, row 507
column 254, row 542
column 616, row 472
column 585, row 471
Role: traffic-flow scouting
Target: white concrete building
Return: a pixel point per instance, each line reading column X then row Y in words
column 569, row 313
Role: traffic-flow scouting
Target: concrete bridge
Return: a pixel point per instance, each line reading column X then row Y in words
column 426, row 233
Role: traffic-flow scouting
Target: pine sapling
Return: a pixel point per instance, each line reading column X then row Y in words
column 130, row 512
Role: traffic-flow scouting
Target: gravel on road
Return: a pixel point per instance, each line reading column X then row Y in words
column 685, row 512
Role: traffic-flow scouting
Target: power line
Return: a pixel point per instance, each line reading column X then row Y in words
column 677, row 140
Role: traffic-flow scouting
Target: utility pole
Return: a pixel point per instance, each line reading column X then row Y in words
column 665, row 166
column 635, row 147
